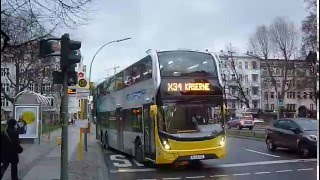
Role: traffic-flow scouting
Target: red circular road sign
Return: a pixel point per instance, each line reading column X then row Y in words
column 81, row 74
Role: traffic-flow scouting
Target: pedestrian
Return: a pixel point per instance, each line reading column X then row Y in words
column 10, row 148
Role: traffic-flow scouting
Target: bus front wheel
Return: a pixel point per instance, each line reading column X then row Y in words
column 138, row 152
column 106, row 142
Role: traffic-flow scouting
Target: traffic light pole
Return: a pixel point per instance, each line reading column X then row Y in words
column 64, row 124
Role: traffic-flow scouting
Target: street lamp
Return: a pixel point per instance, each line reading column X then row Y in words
column 90, row 91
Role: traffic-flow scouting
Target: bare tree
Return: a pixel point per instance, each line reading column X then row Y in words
column 45, row 14
column 235, row 84
column 309, row 28
column 284, row 39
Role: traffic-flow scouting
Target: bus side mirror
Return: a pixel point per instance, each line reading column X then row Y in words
column 153, row 110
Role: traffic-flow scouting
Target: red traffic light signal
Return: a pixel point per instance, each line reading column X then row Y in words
column 81, row 74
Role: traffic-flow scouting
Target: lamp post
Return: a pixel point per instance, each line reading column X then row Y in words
column 90, row 91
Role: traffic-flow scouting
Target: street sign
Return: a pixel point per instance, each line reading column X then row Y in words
column 82, row 83
column 72, row 91
column 280, row 103
column 91, row 85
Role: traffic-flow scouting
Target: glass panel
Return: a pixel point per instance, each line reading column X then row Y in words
column 184, row 63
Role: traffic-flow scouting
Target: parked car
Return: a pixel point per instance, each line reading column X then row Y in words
column 297, row 134
column 241, row 122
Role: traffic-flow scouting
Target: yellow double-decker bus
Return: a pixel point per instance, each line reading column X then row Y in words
column 165, row 108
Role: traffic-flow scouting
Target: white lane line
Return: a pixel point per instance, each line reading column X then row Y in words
column 262, row 153
column 265, row 163
column 262, row 173
column 171, row 178
column 306, row 169
column 123, row 170
column 287, row 170
column 219, row 175
column 195, row 177
column 243, row 174
column 132, row 170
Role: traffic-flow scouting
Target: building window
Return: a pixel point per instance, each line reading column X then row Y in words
column 233, row 77
column 305, row 95
column 5, row 86
column 246, row 65
column 255, row 90
column 4, row 102
column 272, row 107
column 272, row 95
column 246, row 78
column 254, row 77
column 254, row 65
column 266, row 94
column 247, row 91
column 255, row 103
column 4, row 72
column 31, row 87
column 310, row 95
column 298, row 95
column 311, row 106
column 233, row 90
column 240, row 77
column 240, row 65
column 233, row 105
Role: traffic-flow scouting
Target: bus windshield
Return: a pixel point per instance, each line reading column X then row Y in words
column 179, row 118
column 186, row 63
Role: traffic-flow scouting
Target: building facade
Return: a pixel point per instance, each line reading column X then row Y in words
column 42, row 83
column 241, row 74
column 300, row 85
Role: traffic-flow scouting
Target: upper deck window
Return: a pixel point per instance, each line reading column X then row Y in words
column 186, row 63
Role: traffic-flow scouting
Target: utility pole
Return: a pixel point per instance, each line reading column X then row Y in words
column 69, row 56
column 90, row 91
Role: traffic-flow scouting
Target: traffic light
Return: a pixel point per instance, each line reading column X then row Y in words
column 70, row 53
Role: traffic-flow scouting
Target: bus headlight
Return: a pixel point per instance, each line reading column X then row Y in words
column 222, row 142
column 166, row 144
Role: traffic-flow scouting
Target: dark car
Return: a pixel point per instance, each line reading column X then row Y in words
column 299, row 134
column 241, row 122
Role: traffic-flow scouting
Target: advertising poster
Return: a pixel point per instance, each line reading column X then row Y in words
column 28, row 121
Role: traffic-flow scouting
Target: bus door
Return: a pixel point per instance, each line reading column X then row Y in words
column 149, row 139
column 119, row 127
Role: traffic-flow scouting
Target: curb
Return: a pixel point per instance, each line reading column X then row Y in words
column 102, row 167
column 246, row 137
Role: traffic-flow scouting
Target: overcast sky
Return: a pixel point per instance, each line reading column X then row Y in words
column 173, row 24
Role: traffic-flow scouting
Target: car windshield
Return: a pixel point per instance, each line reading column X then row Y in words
column 185, row 63
column 180, row 118
column 307, row 124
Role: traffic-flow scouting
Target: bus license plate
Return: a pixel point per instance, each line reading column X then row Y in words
column 197, row 157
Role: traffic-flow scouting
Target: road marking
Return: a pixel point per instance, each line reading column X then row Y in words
column 132, row 170
column 243, row 174
column 265, row 163
column 262, row 173
column 287, row 170
column 262, row 153
column 125, row 170
column 307, row 169
column 146, row 179
column 195, row 177
column 221, row 175
column 171, row 178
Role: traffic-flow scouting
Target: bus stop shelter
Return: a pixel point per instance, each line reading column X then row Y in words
column 28, row 108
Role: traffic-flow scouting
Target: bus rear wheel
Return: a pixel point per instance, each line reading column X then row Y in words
column 138, row 152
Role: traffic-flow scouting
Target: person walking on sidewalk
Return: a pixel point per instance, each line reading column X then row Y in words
column 10, row 148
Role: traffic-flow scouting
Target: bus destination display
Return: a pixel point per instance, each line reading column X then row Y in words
column 172, row 87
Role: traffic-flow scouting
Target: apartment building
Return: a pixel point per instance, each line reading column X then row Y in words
column 300, row 85
column 241, row 74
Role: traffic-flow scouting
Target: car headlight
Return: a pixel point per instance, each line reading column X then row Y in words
column 166, row 144
column 222, row 141
column 313, row 137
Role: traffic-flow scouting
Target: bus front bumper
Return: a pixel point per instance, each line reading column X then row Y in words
column 171, row 156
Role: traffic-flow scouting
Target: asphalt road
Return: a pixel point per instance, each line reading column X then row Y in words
column 246, row 159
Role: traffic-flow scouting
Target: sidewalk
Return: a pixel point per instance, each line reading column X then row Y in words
column 42, row 161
